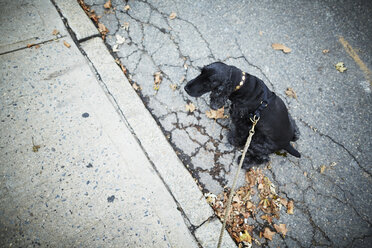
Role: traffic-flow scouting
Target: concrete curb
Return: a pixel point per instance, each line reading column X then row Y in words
column 77, row 19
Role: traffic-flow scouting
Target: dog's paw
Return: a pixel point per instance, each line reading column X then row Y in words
column 261, row 159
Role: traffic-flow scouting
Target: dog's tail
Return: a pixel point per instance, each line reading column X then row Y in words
column 292, row 151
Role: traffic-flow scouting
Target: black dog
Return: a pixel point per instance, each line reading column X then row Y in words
column 249, row 97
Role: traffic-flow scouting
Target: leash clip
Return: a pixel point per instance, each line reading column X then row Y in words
column 254, row 121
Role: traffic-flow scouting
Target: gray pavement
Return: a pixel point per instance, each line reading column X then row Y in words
column 332, row 109
column 83, row 163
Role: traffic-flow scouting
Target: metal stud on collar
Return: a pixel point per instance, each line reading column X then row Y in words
column 241, row 82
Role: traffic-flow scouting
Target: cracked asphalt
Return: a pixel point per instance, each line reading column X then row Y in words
column 333, row 109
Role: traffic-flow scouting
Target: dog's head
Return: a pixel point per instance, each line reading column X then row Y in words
column 214, row 78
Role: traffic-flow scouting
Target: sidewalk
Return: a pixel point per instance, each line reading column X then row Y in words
column 83, row 163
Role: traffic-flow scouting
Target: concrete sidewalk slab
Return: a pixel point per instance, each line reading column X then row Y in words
column 89, row 183
column 23, row 23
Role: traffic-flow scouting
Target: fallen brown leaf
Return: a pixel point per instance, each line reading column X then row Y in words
column 267, row 217
column 281, row 228
column 126, row 7
column 35, row 148
column 291, row 93
column 290, row 207
column 325, row 51
column 107, row 5
column 119, row 39
column 322, row 169
column 136, row 87
column 172, row 15
column 268, row 234
column 157, row 80
column 340, row 66
column 123, row 68
column 190, row 107
column 284, row 202
column 55, row 32
column 102, row 29
column 260, row 33
column 216, row 114
column 30, row 45
column 66, row 44
column 278, row 46
column 125, row 26
column 173, row 86
column 245, row 237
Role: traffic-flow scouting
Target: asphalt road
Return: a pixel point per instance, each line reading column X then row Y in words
column 331, row 183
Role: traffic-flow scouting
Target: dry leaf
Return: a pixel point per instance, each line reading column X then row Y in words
column 216, row 114
column 102, row 29
column 278, row 46
column 284, row 202
column 123, row 68
column 35, row 148
column 115, row 48
column 126, row 7
column 66, row 44
column 119, row 39
column 268, row 234
column 245, row 237
column 190, row 107
column 322, row 169
column 290, row 207
column 125, row 26
column 267, row 217
column 261, row 33
column 173, row 86
column 291, row 93
column 340, row 66
column 136, row 87
column 172, row 15
column 325, row 51
column 55, row 32
column 37, row 46
column 157, row 80
column 30, row 45
column 281, row 228
column 107, row 5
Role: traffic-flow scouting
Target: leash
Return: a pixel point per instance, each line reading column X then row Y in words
column 254, row 121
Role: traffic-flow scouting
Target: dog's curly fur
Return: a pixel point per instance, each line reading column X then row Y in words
column 275, row 129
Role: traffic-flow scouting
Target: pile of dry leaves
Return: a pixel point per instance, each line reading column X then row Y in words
column 243, row 208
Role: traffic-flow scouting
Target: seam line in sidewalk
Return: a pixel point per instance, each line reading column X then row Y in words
column 33, row 44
